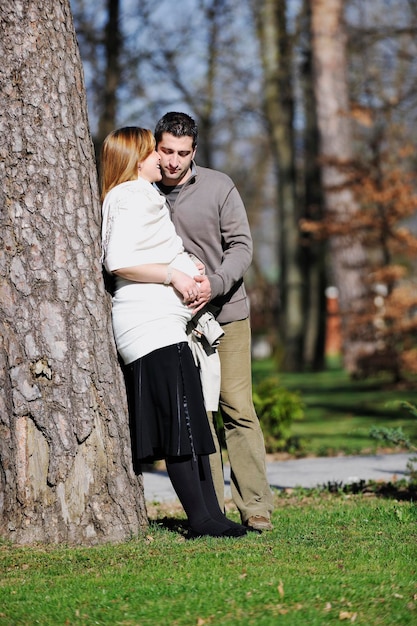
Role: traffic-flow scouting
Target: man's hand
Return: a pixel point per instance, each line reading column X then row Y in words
column 204, row 294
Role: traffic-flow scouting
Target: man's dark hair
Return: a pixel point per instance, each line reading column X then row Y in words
column 177, row 124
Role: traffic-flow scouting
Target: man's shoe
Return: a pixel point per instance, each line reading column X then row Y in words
column 259, row 522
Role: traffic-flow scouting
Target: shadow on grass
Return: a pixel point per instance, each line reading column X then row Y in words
column 401, row 490
column 360, row 409
column 179, row 527
column 172, row 524
column 341, row 388
column 339, row 382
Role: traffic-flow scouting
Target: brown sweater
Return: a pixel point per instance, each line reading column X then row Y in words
column 210, row 217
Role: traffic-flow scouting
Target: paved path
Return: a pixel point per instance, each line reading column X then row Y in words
column 301, row 473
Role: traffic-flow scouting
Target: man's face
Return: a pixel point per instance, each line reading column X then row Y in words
column 176, row 155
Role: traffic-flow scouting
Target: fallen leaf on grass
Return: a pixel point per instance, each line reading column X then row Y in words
column 281, row 588
column 281, row 609
column 343, row 615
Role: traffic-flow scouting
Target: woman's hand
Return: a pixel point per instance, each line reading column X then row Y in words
column 186, row 286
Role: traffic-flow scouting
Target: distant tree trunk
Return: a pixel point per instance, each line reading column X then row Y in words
column 314, row 252
column 65, row 460
column 216, row 14
column 212, row 12
column 348, row 256
column 112, row 47
column 276, row 52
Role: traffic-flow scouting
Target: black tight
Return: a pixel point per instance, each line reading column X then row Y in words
column 193, row 484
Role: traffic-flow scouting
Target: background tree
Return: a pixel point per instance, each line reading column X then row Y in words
column 388, row 197
column 100, row 37
column 112, row 48
column 383, row 189
column 383, row 106
column 65, row 463
column 347, row 254
column 313, row 250
column 277, row 57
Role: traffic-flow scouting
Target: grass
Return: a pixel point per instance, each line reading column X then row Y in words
column 329, row 559
column 340, row 412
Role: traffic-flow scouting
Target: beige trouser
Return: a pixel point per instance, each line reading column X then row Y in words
column 244, row 439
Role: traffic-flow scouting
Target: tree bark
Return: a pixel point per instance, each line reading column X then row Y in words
column 347, row 254
column 65, row 461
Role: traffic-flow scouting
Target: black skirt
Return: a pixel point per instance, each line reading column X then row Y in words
column 166, row 406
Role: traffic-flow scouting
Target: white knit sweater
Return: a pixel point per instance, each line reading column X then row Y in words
column 137, row 230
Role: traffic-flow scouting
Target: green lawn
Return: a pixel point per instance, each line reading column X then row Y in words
column 340, row 412
column 331, row 558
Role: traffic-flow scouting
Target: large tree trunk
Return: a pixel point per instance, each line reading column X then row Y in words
column 65, row 461
column 276, row 52
column 348, row 256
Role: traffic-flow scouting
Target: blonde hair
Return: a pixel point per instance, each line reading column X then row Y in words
column 122, row 151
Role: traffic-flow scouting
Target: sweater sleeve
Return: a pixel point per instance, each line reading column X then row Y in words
column 236, row 242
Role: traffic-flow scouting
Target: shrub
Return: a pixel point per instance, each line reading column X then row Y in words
column 277, row 408
column 396, row 437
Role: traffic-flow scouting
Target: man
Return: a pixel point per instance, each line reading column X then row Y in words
column 209, row 215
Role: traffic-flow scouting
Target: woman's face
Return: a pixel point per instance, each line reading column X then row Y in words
column 149, row 169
